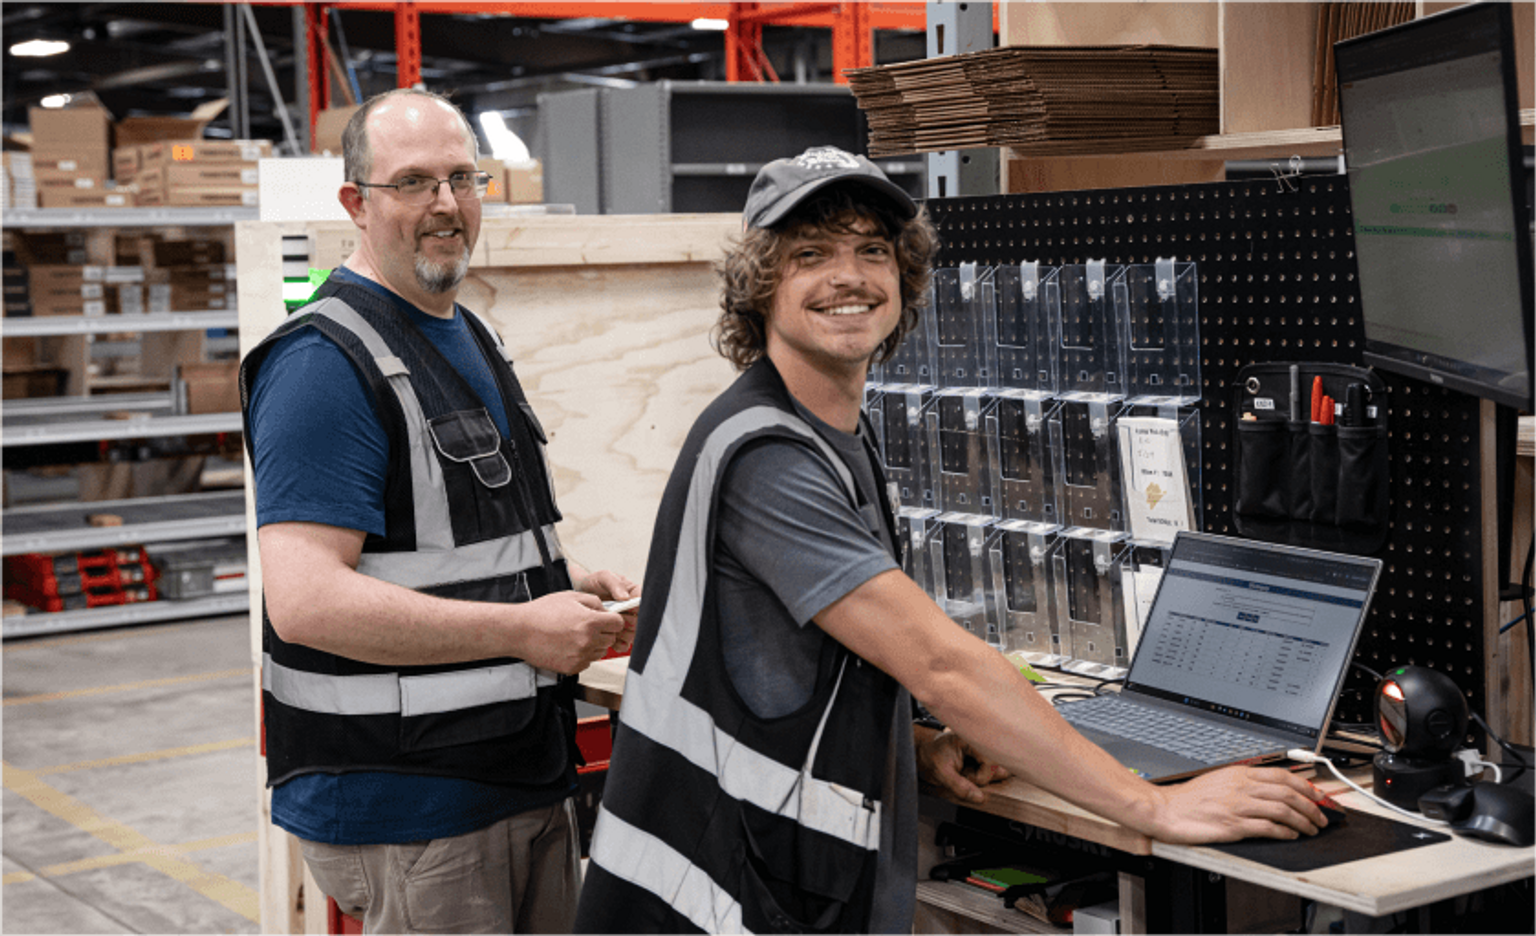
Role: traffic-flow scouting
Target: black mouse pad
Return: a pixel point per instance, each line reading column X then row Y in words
column 1364, row 836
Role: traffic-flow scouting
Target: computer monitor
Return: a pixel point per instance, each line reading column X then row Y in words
column 1438, row 188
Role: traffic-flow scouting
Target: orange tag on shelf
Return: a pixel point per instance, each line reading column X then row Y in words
column 182, row 153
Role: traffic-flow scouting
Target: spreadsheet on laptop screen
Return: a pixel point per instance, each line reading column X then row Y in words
column 1263, row 635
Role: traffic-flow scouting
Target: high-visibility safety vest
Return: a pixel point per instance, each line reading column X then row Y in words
column 468, row 515
column 713, row 819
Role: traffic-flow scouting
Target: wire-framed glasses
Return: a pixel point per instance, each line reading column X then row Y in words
column 414, row 188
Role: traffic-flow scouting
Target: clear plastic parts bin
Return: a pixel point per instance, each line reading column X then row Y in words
column 1159, row 310
column 1026, row 467
column 900, row 414
column 1023, row 591
column 966, row 458
column 1026, row 342
column 965, row 319
column 1090, row 601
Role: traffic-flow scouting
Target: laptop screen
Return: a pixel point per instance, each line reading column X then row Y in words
column 1255, row 631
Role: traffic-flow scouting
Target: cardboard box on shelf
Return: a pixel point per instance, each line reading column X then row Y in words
column 225, row 196
column 52, row 180
column 525, row 183
column 168, row 252
column 32, row 381
column 133, row 131
column 211, row 387
column 85, row 198
column 125, row 163
column 166, row 152
column 51, row 247
column 328, row 129
column 18, row 352
column 82, row 133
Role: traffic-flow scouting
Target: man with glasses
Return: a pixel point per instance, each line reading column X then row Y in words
column 421, row 624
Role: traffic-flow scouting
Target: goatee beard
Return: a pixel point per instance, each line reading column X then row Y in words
column 437, row 279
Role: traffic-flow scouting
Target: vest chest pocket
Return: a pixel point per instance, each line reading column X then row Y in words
column 470, row 437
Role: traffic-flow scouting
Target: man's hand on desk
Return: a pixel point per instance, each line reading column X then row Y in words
column 1236, row 803
column 945, row 760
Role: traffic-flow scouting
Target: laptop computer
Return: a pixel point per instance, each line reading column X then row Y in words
column 1242, row 657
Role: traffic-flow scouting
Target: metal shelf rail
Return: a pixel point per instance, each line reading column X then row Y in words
column 27, row 430
column 46, row 325
column 62, row 527
column 41, row 623
column 45, row 218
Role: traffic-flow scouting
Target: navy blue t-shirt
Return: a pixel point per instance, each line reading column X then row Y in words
column 323, row 457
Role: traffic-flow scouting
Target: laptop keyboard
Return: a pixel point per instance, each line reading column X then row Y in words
column 1197, row 740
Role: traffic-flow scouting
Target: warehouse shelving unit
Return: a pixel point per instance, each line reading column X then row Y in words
column 690, row 146
column 84, row 417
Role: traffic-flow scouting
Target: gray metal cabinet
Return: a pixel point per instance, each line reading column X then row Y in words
column 689, row 146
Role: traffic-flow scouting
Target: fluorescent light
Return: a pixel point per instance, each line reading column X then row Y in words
column 718, row 25
column 505, row 145
column 39, row 47
column 55, row 100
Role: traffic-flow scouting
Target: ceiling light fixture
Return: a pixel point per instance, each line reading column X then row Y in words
column 36, row 48
column 54, row 101
column 716, row 25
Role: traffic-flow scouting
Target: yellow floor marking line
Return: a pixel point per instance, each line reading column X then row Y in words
column 232, row 894
column 245, row 671
column 122, row 858
column 190, row 750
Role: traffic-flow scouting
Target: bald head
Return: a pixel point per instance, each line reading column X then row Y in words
column 410, row 105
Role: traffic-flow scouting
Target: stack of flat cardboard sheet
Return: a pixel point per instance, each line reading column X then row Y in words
column 1042, row 100
column 1336, row 22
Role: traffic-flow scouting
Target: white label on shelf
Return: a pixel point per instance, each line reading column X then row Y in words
column 117, row 200
column 92, row 290
column 124, row 274
column 91, row 274
column 85, row 182
column 249, row 176
column 96, row 307
column 250, row 198
column 250, row 153
column 68, row 165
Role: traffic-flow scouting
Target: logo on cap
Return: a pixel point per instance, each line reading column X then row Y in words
column 826, row 157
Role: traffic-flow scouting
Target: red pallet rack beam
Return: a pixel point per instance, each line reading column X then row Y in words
column 315, row 23
column 882, row 15
column 407, row 45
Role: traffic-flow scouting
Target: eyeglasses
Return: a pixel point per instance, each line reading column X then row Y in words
column 463, row 185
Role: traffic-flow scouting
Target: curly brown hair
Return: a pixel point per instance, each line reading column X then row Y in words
column 754, row 263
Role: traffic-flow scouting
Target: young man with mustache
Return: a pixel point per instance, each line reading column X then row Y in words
column 764, row 775
column 422, row 626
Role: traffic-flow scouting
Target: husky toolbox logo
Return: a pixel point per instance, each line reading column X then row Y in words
column 821, row 158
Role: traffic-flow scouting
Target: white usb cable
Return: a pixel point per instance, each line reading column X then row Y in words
column 1307, row 757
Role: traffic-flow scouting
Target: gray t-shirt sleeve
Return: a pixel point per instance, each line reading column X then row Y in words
column 786, row 518
column 787, row 544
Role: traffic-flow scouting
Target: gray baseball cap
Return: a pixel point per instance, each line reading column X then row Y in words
column 785, row 183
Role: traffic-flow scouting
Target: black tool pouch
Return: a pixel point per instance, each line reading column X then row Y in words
column 1304, row 482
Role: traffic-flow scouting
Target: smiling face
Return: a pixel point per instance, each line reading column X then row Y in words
column 838, row 297
column 419, row 250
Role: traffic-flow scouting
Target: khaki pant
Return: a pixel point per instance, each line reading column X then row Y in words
column 520, row 875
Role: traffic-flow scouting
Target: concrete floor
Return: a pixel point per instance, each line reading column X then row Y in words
column 130, row 799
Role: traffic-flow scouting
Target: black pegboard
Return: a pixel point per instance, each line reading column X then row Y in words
column 1277, row 282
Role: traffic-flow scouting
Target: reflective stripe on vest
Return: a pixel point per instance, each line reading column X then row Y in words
column 746, row 774
column 635, row 855
column 654, row 706
column 392, row 694
column 436, row 561
column 678, row 635
column 463, row 564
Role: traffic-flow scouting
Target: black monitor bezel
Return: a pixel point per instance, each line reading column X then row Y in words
column 1423, row 364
